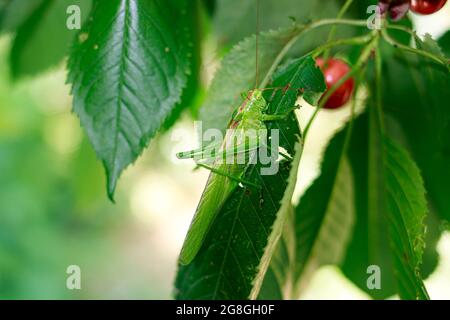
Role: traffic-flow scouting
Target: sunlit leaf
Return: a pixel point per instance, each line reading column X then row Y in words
column 321, row 226
column 128, row 69
column 325, row 215
column 391, row 207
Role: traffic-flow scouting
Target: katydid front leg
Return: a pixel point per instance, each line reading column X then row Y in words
column 278, row 117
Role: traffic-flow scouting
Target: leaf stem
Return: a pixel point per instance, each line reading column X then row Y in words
column 348, row 22
column 341, row 13
column 420, row 52
column 379, row 95
column 362, row 40
column 302, row 29
column 401, row 28
column 353, row 107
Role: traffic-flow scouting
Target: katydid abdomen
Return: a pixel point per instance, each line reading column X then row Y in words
column 217, row 190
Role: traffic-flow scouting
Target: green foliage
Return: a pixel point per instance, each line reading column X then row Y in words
column 389, row 200
column 141, row 51
column 324, row 218
column 136, row 65
column 235, row 20
column 191, row 97
column 319, row 228
column 34, row 50
column 53, row 209
column 430, row 45
column 13, row 13
column 406, row 207
column 416, row 103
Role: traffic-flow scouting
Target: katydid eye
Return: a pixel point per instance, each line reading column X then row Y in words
column 333, row 71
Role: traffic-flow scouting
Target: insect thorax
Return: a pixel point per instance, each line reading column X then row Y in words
column 251, row 110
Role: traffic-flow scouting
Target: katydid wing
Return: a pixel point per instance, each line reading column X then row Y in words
column 219, row 186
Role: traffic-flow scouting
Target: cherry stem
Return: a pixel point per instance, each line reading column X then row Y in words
column 401, row 28
column 362, row 40
column 363, row 58
column 379, row 94
column 419, row 52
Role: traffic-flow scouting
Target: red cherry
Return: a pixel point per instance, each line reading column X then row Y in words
column 334, row 70
column 427, row 6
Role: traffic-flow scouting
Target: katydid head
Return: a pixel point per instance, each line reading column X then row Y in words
column 252, row 94
column 256, row 94
column 253, row 100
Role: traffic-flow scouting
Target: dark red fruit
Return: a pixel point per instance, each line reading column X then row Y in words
column 397, row 8
column 334, row 70
column 427, row 6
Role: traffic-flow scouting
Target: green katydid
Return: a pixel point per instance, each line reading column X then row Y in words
column 250, row 116
column 225, row 177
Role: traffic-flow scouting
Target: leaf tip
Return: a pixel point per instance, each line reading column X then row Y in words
column 111, row 183
column 111, row 196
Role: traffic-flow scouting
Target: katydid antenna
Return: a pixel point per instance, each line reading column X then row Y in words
column 257, row 45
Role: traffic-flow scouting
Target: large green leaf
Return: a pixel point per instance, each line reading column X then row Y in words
column 418, row 103
column 406, row 207
column 238, row 248
column 43, row 39
column 235, row 20
column 321, row 225
column 391, row 206
column 128, row 69
column 369, row 244
column 193, row 93
column 325, row 215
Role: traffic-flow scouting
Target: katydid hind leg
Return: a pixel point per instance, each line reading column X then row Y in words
column 200, row 153
column 225, row 174
column 217, row 190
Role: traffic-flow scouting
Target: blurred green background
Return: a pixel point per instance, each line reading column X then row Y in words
column 54, row 211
